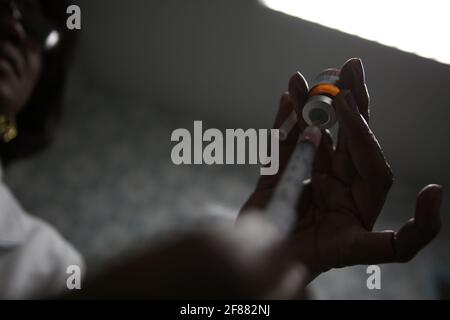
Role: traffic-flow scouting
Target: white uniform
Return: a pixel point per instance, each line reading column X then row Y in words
column 34, row 257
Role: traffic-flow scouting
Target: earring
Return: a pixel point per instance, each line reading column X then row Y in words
column 8, row 128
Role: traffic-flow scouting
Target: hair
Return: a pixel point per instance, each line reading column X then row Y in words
column 38, row 119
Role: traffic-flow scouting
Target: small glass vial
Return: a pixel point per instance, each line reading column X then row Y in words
column 319, row 109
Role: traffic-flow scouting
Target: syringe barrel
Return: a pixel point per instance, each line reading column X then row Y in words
column 282, row 208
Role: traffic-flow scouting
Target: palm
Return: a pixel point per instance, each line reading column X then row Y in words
column 327, row 232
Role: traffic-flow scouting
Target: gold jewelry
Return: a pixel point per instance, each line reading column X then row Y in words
column 8, row 128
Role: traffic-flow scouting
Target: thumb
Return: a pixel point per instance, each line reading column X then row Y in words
column 418, row 232
column 402, row 246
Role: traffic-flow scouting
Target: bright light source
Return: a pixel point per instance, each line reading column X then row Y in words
column 416, row 26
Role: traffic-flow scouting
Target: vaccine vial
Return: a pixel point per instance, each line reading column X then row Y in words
column 319, row 109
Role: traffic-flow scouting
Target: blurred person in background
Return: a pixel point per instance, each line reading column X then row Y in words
column 34, row 51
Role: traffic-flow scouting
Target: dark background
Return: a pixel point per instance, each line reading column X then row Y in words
column 145, row 68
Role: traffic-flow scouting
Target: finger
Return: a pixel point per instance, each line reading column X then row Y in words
column 322, row 166
column 298, row 91
column 352, row 77
column 343, row 168
column 285, row 109
column 364, row 149
column 372, row 177
column 428, row 204
column 285, row 147
column 297, row 95
column 265, row 185
column 389, row 246
column 324, row 157
column 418, row 232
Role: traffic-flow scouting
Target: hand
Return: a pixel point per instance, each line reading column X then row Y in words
column 219, row 265
column 338, row 210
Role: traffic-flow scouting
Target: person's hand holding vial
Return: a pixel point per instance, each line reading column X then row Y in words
column 350, row 182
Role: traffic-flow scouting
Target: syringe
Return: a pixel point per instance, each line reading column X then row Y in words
column 282, row 209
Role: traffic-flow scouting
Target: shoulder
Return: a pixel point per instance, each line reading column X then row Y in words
column 34, row 257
